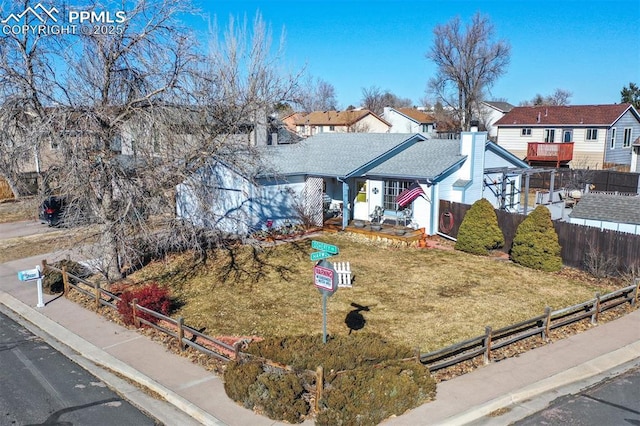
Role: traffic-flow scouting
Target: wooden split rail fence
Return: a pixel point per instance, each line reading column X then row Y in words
column 446, row 357
column 187, row 336
column 540, row 325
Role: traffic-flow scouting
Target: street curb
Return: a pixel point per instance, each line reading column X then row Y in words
column 101, row 358
column 573, row 375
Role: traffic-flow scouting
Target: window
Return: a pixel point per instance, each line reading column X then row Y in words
column 332, row 128
column 425, row 128
column 612, row 138
column 526, row 131
column 549, row 135
column 626, row 139
column 567, row 136
column 391, row 190
column 592, row 134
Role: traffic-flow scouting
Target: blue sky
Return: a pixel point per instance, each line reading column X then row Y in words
column 590, row 48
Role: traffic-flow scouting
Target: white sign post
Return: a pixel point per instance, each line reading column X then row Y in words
column 31, row 275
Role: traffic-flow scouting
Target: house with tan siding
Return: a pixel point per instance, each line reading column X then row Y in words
column 576, row 136
column 409, row 120
column 349, row 121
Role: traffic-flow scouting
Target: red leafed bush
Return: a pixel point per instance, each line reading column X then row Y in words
column 151, row 297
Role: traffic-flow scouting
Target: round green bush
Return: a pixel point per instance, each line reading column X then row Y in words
column 479, row 231
column 535, row 244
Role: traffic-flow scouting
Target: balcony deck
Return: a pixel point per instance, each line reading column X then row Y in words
column 549, row 153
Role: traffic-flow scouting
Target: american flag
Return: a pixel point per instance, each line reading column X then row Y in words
column 409, row 194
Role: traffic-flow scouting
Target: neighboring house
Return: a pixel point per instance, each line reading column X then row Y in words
column 580, row 136
column 608, row 211
column 409, row 120
column 356, row 173
column 490, row 112
column 349, row 121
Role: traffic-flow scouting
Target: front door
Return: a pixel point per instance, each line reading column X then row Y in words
column 361, row 202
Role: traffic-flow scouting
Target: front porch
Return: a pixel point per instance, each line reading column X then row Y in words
column 390, row 231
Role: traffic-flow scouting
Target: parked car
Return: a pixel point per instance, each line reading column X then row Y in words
column 52, row 211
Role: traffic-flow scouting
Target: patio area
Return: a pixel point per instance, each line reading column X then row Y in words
column 387, row 230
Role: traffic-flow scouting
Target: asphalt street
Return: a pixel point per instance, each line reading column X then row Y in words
column 42, row 386
column 613, row 401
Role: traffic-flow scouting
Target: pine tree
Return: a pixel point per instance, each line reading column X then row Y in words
column 535, row 244
column 479, row 231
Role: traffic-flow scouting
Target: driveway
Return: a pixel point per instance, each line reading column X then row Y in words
column 23, row 229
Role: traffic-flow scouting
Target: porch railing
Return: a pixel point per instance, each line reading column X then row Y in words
column 550, row 152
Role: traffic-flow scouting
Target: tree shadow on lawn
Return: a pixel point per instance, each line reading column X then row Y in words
column 355, row 320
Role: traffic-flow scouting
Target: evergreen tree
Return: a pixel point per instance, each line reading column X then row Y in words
column 535, row 244
column 479, row 231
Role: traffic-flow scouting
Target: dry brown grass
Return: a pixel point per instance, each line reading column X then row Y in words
column 12, row 210
column 49, row 240
column 32, row 245
column 423, row 298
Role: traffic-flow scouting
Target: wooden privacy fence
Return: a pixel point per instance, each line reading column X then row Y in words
column 186, row 336
column 540, row 325
column 577, row 242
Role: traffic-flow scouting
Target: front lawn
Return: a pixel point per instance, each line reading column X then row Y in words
column 425, row 298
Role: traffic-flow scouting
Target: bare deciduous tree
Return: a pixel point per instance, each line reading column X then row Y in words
column 138, row 112
column 317, row 95
column 468, row 63
column 375, row 100
column 558, row 98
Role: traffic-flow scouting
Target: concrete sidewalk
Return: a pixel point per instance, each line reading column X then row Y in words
column 514, row 383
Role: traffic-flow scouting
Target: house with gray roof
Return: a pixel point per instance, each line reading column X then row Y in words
column 608, row 211
column 352, row 173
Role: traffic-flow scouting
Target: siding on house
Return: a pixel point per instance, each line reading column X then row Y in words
column 579, row 120
column 621, row 154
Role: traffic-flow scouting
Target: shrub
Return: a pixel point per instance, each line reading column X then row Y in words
column 364, row 381
column 152, row 297
column 238, row 377
column 535, row 244
column 479, row 231
column 367, row 396
column 279, row 395
column 52, row 282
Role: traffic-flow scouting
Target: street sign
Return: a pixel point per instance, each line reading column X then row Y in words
column 325, row 278
column 319, row 255
column 29, row 274
column 329, row 248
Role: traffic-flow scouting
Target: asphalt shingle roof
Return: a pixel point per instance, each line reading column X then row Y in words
column 574, row 115
column 338, row 154
column 608, row 207
column 417, row 115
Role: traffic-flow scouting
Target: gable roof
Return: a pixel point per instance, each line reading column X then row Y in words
column 568, row 115
column 608, row 207
column 333, row 154
column 416, row 115
column 390, row 155
column 499, row 106
column 336, row 118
